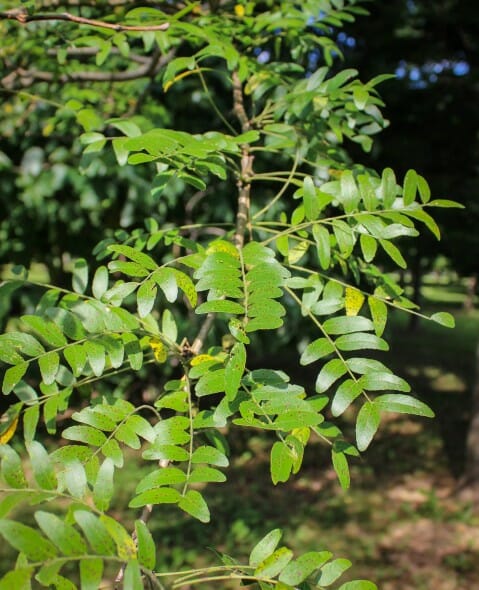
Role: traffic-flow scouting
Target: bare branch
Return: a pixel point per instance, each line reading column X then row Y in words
column 28, row 77
column 24, row 18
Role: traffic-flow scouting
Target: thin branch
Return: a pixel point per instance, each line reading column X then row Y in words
column 79, row 52
column 28, row 77
column 22, row 16
column 202, row 334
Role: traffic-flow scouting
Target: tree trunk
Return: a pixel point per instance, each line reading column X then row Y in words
column 469, row 484
column 471, row 286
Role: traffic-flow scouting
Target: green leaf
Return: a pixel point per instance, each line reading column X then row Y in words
column 211, row 455
column 18, row 579
column 281, row 463
column 358, row 585
column 323, row 245
column 409, row 187
column 125, row 434
column 275, row 563
column 100, row 282
column 172, row 431
column 405, row 404
column 379, row 380
column 379, row 314
column 194, row 503
column 168, row 325
column 443, row 318
column 80, row 275
column 445, row 203
column 49, row 364
column 75, row 479
column 11, row 468
column 234, row 369
column 206, row 475
column 141, row 427
column 85, row 434
column 63, row 535
column 331, row 372
column 316, row 350
column 360, row 97
column 95, row 532
column 145, row 297
column 310, row 200
column 348, row 194
column 27, row 540
column 332, row 571
column 31, row 417
column 133, row 254
column 133, row 350
column 428, row 221
column 165, row 278
column 126, row 548
column 146, row 545
column 104, row 486
column 95, row 417
column 346, row 393
column 341, row 467
column 388, row 188
column 367, row 424
column 360, row 341
column 394, row 253
column 220, row 306
column 95, row 353
column 12, row 376
column 42, row 466
column 211, row 382
column 47, row 330
column 298, row 570
column 161, row 495
column 369, row 247
column 91, row 573
column 347, row 324
column 264, row 548
column 344, row 237
column 132, row 576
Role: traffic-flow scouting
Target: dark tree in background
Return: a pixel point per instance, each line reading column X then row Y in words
column 433, row 48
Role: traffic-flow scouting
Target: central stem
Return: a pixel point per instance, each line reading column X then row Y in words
column 244, row 180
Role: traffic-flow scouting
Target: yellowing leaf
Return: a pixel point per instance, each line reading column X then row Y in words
column 159, row 350
column 353, row 301
column 223, row 246
column 8, row 428
column 202, row 358
column 170, row 83
column 239, row 10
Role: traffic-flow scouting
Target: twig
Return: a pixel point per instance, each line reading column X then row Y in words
column 203, row 332
column 22, row 16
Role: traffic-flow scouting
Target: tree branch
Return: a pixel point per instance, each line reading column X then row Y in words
column 22, row 16
column 79, row 52
column 27, row 77
column 244, row 180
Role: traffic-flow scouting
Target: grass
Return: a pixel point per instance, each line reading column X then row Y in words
column 400, row 522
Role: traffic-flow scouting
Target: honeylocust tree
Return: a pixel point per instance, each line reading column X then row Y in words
column 261, row 231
